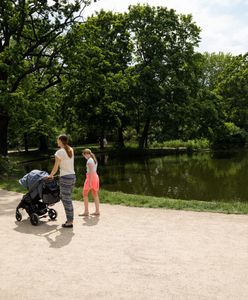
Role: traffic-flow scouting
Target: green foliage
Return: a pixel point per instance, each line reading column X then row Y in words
column 213, row 65
column 204, row 113
column 197, row 144
column 229, row 135
column 233, row 88
column 163, row 53
column 6, row 167
column 133, row 77
column 96, row 86
column 130, row 135
column 30, row 54
column 11, row 185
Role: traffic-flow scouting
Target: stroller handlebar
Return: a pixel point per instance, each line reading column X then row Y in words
column 50, row 178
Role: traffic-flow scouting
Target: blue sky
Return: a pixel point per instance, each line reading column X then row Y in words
column 223, row 23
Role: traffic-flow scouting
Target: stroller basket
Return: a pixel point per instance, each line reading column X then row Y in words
column 50, row 192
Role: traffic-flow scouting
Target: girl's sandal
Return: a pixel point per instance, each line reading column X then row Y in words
column 84, row 215
column 95, row 214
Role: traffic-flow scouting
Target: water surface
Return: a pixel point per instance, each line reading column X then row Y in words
column 202, row 176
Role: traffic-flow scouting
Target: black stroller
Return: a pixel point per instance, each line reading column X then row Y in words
column 42, row 193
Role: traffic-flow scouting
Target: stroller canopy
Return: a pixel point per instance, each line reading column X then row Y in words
column 32, row 181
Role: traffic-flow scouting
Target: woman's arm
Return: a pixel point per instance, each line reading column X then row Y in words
column 55, row 167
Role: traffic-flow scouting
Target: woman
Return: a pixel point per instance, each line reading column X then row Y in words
column 64, row 160
column 91, row 183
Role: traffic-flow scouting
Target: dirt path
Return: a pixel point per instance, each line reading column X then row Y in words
column 127, row 253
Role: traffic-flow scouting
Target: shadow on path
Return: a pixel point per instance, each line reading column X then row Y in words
column 91, row 220
column 56, row 237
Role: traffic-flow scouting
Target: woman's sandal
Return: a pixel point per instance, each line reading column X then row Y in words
column 66, row 225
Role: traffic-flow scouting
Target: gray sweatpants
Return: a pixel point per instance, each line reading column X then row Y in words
column 66, row 184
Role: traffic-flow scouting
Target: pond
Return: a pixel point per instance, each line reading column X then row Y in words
column 206, row 176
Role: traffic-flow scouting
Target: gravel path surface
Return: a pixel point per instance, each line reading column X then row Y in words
column 126, row 253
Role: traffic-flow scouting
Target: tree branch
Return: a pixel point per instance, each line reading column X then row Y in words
column 33, row 27
column 22, row 76
column 50, row 84
column 23, row 18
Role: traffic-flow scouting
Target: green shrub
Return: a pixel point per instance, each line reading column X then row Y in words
column 5, row 166
column 229, row 135
column 8, row 168
column 190, row 144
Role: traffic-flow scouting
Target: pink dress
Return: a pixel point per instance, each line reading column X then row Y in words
column 95, row 178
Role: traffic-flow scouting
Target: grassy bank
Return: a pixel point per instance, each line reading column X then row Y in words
column 148, row 201
column 190, row 145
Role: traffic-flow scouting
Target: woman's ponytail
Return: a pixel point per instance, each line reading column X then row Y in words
column 64, row 139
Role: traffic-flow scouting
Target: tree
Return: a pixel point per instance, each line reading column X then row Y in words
column 220, row 108
column 202, row 115
column 204, row 112
column 97, row 78
column 233, row 89
column 29, row 45
column 163, row 48
column 213, row 65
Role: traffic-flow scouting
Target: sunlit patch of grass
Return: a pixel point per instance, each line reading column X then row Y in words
column 157, row 202
column 147, row 201
column 12, row 185
column 196, row 144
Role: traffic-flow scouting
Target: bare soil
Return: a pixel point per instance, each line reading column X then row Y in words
column 126, row 253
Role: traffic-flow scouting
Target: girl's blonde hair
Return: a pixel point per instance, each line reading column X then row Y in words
column 92, row 155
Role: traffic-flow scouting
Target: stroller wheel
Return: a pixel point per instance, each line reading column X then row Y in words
column 18, row 216
column 34, row 219
column 52, row 214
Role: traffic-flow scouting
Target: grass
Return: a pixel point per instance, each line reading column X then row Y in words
column 178, row 204
column 16, row 158
column 148, row 201
column 197, row 144
column 12, row 185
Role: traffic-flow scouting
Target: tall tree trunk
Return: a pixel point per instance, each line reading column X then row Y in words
column 4, row 116
column 120, row 141
column 43, row 143
column 101, row 142
column 144, row 137
column 146, row 141
column 4, row 122
column 25, row 138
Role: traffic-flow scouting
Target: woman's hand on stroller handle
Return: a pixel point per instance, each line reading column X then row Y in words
column 51, row 177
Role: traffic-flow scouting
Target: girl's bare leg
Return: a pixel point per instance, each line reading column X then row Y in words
column 97, row 201
column 86, row 203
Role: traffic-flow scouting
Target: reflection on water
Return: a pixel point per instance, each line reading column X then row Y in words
column 202, row 176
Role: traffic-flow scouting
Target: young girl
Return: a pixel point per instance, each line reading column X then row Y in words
column 91, row 183
column 64, row 161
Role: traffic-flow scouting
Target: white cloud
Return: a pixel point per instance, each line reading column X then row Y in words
column 223, row 3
